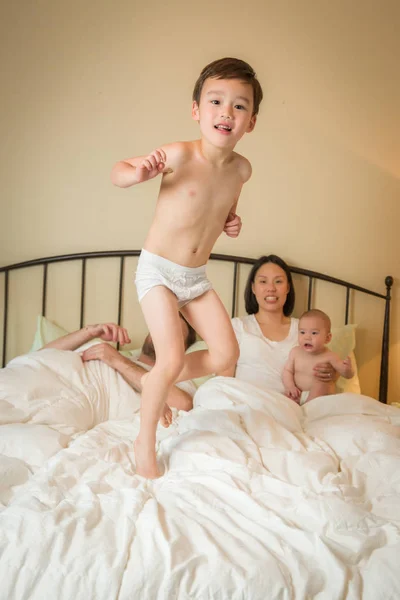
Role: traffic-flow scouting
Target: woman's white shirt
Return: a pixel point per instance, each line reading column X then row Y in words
column 261, row 360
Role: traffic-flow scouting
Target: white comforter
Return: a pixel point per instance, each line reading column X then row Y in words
column 260, row 499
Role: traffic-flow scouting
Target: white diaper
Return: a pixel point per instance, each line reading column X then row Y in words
column 187, row 283
column 303, row 397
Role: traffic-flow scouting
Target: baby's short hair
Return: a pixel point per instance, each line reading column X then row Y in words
column 315, row 312
column 230, row 68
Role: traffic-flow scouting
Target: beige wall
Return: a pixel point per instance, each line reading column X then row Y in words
column 87, row 83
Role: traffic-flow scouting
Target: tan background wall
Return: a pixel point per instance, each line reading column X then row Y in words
column 87, row 83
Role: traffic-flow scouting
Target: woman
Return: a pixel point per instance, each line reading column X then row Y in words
column 268, row 332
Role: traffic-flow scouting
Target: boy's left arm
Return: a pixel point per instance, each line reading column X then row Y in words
column 343, row 367
column 233, row 223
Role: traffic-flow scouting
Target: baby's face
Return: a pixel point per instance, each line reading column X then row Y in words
column 313, row 334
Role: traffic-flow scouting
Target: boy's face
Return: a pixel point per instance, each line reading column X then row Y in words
column 313, row 334
column 225, row 112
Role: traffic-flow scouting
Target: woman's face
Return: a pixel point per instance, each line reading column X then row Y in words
column 270, row 287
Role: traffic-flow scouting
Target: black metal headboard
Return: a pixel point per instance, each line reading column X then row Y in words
column 235, row 260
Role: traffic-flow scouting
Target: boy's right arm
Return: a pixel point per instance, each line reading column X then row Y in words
column 291, row 390
column 132, row 171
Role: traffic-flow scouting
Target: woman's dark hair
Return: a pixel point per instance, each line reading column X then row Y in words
column 249, row 297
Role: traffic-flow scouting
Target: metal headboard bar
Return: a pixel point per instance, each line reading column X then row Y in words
column 83, row 286
column 44, row 290
column 383, row 380
column 121, row 284
column 5, row 317
column 236, row 260
column 310, row 286
column 346, row 320
column 222, row 257
column 235, row 289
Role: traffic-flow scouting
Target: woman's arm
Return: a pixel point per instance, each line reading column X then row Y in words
column 109, row 332
column 228, row 372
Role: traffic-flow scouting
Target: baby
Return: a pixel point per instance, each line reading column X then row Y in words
column 298, row 376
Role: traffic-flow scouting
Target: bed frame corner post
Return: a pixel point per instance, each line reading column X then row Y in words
column 383, row 382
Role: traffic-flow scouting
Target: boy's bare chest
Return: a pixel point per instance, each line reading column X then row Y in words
column 204, row 186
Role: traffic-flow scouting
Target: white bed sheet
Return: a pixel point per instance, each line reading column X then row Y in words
column 260, row 498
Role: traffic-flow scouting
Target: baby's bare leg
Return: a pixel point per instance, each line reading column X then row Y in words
column 320, row 388
column 160, row 311
column 209, row 318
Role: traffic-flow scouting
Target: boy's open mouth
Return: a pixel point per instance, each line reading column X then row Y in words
column 223, row 127
column 308, row 346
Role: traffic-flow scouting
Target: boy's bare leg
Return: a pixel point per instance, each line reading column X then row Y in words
column 160, row 311
column 209, row 318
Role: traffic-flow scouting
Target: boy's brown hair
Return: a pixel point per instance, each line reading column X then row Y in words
column 230, row 68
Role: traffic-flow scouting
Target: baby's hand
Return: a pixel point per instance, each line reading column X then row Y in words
column 293, row 393
column 347, row 366
column 151, row 166
column 233, row 225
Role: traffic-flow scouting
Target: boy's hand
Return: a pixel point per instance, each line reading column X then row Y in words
column 233, row 225
column 151, row 166
column 293, row 393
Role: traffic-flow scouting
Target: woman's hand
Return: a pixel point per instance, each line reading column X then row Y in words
column 109, row 332
column 324, row 372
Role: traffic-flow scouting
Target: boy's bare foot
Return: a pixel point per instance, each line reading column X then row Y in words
column 166, row 417
column 146, row 461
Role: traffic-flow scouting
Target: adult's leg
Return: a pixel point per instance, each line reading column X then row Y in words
column 209, row 318
column 160, row 310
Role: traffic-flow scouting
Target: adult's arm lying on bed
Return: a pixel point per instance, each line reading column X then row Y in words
column 133, row 374
column 108, row 332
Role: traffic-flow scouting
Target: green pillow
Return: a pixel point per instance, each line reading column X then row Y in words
column 46, row 332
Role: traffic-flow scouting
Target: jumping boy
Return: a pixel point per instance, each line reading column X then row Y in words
column 200, row 188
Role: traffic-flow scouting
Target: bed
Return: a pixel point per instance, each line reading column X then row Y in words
column 260, row 498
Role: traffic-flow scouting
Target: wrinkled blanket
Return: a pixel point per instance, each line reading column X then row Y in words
column 260, row 498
